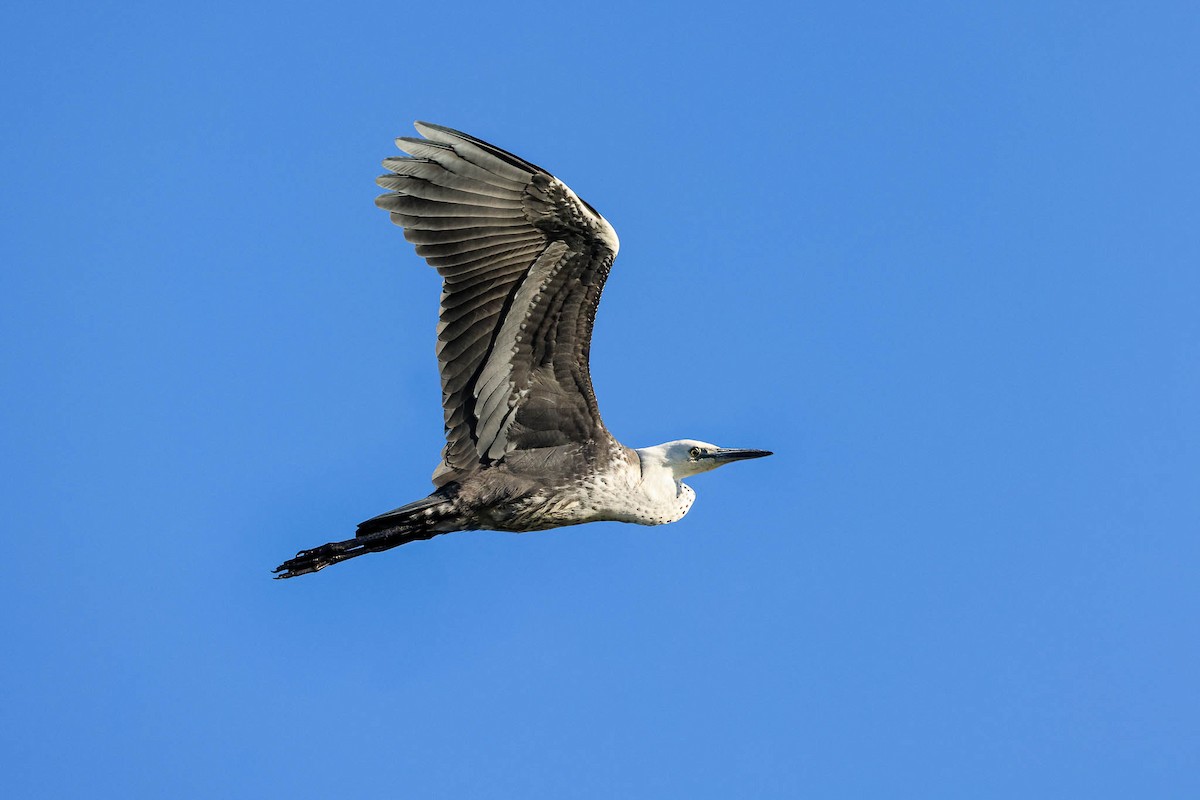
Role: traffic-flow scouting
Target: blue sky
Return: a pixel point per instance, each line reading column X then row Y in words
column 943, row 259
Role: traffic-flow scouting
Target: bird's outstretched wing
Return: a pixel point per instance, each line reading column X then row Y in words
column 523, row 261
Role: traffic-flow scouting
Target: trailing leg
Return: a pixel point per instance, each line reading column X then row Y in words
column 423, row 519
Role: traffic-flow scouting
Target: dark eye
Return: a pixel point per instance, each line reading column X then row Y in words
column 695, row 453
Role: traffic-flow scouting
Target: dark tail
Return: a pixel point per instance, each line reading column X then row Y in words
column 423, row 519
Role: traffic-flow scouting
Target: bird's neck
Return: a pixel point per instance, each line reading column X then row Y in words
column 667, row 495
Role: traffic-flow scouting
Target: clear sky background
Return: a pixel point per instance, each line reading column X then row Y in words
column 943, row 259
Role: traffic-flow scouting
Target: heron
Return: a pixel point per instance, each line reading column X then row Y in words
column 523, row 261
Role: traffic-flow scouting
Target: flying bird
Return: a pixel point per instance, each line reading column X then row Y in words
column 523, row 261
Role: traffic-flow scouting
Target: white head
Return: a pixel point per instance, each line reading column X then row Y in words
column 687, row 457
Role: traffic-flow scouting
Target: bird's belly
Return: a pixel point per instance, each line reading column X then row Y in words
column 542, row 512
column 600, row 499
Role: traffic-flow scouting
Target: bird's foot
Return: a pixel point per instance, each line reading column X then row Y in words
column 314, row 560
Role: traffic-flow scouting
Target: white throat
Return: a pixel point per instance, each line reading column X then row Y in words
column 667, row 498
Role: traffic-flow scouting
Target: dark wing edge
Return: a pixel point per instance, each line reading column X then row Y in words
column 523, row 262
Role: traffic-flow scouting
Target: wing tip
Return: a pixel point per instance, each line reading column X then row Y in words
column 387, row 202
column 424, row 128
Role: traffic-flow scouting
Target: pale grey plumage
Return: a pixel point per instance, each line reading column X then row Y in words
column 523, row 261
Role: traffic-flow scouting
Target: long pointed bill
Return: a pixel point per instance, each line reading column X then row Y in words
column 726, row 454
